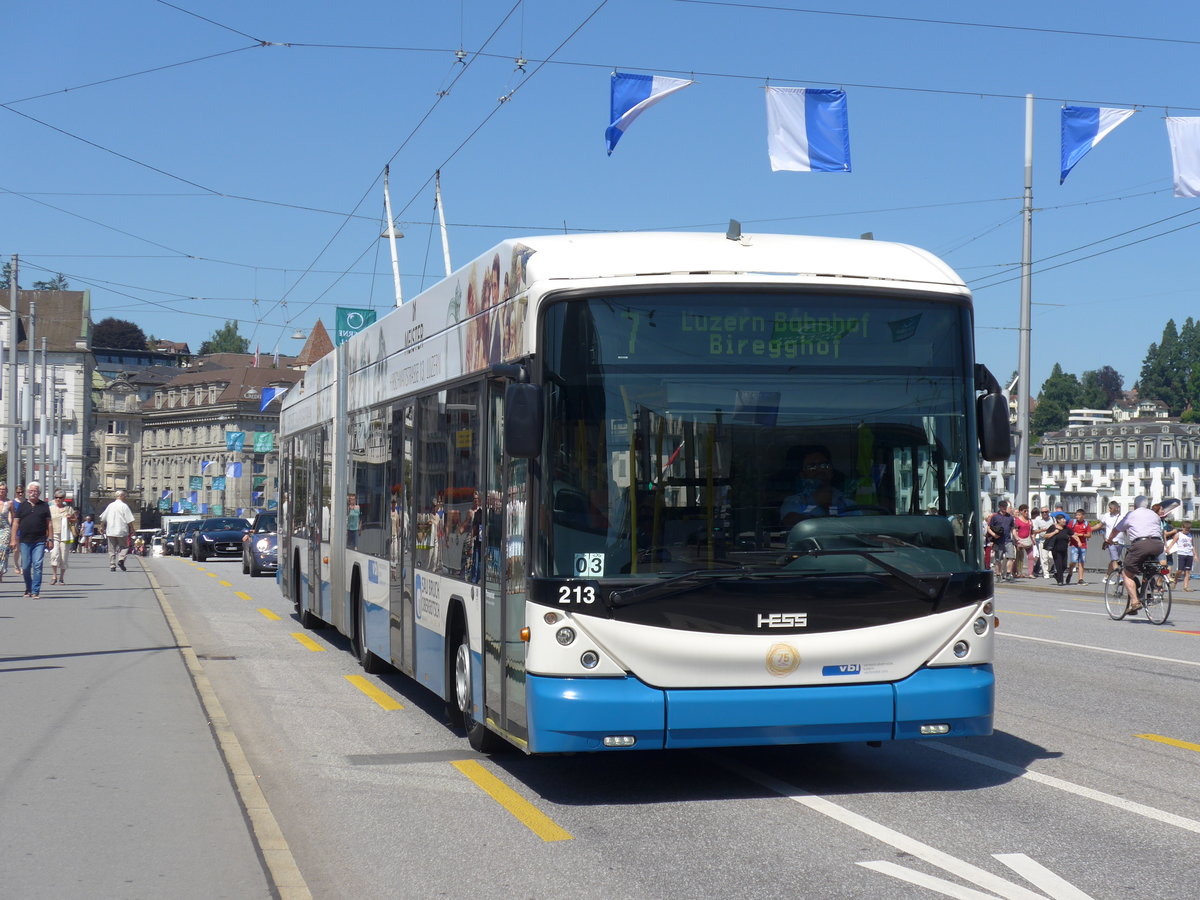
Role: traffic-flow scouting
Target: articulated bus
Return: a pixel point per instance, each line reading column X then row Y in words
column 641, row 491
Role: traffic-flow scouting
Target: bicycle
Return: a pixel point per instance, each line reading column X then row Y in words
column 1153, row 591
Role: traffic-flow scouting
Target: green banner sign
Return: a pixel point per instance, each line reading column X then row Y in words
column 350, row 322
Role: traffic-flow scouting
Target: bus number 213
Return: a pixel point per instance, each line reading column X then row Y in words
column 576, row 593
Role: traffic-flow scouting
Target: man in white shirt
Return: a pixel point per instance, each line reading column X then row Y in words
column 1117, row 547
column 115, row 522
column 1143, row 528
column 1041, row 524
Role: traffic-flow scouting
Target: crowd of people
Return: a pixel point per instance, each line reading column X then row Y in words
column 1052, row 544
column 32, row 530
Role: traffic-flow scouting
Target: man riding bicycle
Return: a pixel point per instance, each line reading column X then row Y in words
column 1143, row 529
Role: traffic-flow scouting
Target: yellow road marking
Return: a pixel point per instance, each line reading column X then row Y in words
column 270, row 615
column 224, row 584
column 381, row 697
column 1185, row 745
column 212, row 574
column 1013, row 612
column 244, row 596
column 307, row 641
column 524, row 811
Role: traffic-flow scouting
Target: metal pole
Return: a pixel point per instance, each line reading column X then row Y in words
column 14, row 441
column 391, row 234
column 1023, row 386
column 30, row 369
column 43, row 448
column 437, row 197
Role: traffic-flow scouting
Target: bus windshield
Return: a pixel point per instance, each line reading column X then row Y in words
column 790, row 431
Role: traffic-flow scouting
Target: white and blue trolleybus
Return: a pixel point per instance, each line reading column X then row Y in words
column 619, row 491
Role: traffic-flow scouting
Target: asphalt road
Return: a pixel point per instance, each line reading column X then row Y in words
column 1088, row 788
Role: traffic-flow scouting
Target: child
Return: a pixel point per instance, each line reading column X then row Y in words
column 1183, row 548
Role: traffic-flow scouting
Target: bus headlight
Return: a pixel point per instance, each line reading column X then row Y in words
column 590, row 659
column 961, row 649
column 565, row 636
column 980, row 625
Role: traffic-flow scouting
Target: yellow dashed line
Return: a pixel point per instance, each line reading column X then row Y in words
column 381, row 697
column 524, row 811
column 224, row 584
column 212, row 574
column 1185, row 745
column 244, row 596
column 307, row 641
column 270, row 615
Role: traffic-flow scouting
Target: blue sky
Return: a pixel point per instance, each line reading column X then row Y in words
column 248, row 185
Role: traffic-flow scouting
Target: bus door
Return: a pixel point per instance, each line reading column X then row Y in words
column 504, row 577
column 401, row 539
column 319, row 510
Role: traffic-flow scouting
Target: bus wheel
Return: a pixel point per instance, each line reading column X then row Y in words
column 478, row 735
column 371, row 663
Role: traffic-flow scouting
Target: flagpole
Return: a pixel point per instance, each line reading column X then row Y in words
column 1023, row 386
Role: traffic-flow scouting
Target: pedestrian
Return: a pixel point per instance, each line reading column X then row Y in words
column 5, row 530
column 1115, row 548
column 33, row 535
column 1184, row 549
column 999, row 529
column 63, row 518
column 1023, row 538
column 1041, row 524
column 1080, row 532
column 18, row 499
column 1058, row 539
column 115, row 522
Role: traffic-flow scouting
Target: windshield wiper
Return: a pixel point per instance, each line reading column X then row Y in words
column 678, row 584
column 916, row 586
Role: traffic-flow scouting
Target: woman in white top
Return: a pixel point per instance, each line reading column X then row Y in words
column 5, row 530
column 1183, row 548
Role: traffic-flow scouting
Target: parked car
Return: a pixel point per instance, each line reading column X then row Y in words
column 260, row 548
column 218, row 537
column 183, row 537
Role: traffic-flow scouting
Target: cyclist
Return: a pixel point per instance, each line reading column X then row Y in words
column 1143, row 528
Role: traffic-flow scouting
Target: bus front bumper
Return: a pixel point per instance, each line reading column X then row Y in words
column 572, row 715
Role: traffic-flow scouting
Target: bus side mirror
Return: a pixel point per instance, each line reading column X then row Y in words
column 523, row 420
column 995, row 439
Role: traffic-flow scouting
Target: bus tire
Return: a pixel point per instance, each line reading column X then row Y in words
column 478, row 736
column 370, row 663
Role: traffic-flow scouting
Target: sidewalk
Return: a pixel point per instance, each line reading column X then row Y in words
column 1094, row 584
column 111, row 784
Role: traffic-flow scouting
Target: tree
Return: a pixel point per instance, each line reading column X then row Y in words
column 226, row 340
column 57, row 283
column 6, row 277
column 1164, row 377
column 1060, row 393
column 1110, row 380
column 118, row 334
column 1093, row 395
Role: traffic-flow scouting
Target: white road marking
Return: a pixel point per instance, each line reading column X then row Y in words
column 902, row 842
column 920, row 879
column 1080, row 612
column 1035, row 873
column 1171, row 659
column 1139, row 809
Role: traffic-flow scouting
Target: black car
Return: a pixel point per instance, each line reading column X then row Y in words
column 169, row 540
column 218, row 537
column 260, row 548
column 183, row 537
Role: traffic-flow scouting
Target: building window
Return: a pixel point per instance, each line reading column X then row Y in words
column 1133, row 449
column 1089, row 451
column 1168, row 450
column 118, row 426
column 1047, row 453
column 1105, row 451
column 1074, row 451
column 1148, row 451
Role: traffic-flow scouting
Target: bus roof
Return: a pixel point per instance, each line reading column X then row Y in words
column 634, row 254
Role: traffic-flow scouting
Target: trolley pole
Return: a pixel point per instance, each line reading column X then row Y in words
column 14, row 440
column 1021, row 489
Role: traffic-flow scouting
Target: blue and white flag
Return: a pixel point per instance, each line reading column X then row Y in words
column 270, row 394
column 233, row 470
column 1184, row 133
column 632, row 95
column 808, row 130
column 1083, row 127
